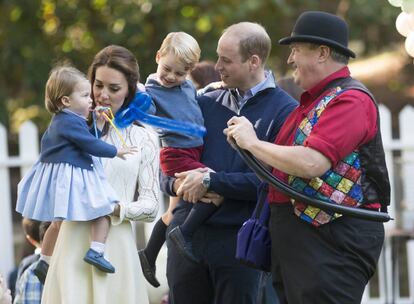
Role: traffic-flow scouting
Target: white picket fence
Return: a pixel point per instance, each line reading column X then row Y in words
column 401, row 170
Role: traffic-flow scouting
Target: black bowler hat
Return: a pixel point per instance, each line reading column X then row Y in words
column 321, row 28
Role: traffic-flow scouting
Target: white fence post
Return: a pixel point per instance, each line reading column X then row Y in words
column 386, row 133
column 384, row 266
column 6, row 233
column 28, row 145
column 407, row 139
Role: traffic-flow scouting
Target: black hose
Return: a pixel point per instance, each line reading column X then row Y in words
column 266, row 176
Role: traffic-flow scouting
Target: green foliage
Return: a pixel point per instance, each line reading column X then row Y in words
column 36, row 34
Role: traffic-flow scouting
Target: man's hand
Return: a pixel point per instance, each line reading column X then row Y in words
column 240, row 130
column 212, row 197
column 191, row 188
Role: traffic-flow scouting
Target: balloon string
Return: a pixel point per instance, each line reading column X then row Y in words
column 115, row 128
column 94, row 124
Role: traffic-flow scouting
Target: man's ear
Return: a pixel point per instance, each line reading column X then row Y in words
column 324, row 53
column 65, row 101
column 255, row 62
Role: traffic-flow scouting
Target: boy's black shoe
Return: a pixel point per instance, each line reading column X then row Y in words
column 147, row 269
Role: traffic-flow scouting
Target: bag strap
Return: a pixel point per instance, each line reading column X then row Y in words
column 262, row 210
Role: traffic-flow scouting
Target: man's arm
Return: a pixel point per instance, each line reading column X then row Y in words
column 299, row 161
column 235, row 185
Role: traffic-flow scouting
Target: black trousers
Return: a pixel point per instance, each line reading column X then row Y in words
column 219, row 278
column 328, row 264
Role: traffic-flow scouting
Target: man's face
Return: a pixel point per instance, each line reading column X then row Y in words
column 233, row 71
column 304, row 60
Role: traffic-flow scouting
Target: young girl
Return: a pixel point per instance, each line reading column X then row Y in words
column 67, row 182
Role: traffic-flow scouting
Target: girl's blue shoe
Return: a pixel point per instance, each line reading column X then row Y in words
column 97, row 259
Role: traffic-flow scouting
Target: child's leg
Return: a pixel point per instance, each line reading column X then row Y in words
column 95, row 255
column 198, row 215
column 149, row 255
column 181, row 236
column 99, row 233
column 49, row 241
column 157, row 238
column 168, row 215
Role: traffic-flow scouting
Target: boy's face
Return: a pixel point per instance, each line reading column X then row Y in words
column 171, row 71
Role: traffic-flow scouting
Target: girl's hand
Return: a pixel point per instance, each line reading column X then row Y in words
column 100, row 111
column 126, row 150
column 102, row 115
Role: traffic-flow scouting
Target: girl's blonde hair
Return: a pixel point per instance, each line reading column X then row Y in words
column 62, row 81
column 182, row 45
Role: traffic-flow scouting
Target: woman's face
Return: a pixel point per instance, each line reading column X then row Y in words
column 110, row 88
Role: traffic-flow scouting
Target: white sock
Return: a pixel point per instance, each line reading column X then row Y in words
column 99, row 247
column 45, row 258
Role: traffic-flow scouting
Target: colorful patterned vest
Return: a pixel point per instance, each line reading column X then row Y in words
column 340, row 185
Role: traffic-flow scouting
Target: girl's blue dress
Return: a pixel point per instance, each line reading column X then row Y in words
column 63, row 191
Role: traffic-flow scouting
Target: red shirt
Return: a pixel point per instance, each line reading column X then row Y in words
column 348, row 122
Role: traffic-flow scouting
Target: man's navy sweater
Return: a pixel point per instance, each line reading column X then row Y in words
column 267, row 110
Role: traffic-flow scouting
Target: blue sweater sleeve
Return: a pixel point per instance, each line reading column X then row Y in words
column 235, row 185
column 78, row 134
column 166, row 184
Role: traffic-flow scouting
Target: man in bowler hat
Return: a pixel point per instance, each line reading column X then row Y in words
column 329, row 148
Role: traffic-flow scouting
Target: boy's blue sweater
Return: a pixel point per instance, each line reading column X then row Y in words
column 267, row 110
column 178, row 103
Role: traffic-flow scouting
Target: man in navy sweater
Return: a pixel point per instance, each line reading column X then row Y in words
column 251, row 92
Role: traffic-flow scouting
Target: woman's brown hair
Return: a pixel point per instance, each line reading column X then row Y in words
column 122, row 60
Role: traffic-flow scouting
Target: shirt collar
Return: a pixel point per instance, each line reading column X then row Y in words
column 268, row 82
column 315, row 91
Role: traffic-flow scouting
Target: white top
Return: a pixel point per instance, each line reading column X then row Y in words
column 70, row 279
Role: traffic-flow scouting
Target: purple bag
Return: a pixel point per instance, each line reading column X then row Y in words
column 253, row 239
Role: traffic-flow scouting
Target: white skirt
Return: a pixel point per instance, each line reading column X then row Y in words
column 60, row 191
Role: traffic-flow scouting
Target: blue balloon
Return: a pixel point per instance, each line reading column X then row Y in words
column 142, row 103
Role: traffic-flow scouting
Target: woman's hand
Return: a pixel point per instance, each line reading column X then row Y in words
column 117, row 210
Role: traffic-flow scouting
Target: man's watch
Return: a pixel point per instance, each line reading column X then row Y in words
column 206, row 180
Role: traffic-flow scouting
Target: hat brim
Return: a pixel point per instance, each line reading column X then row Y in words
column 319, row 40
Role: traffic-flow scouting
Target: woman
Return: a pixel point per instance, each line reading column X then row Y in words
column 113, row 75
